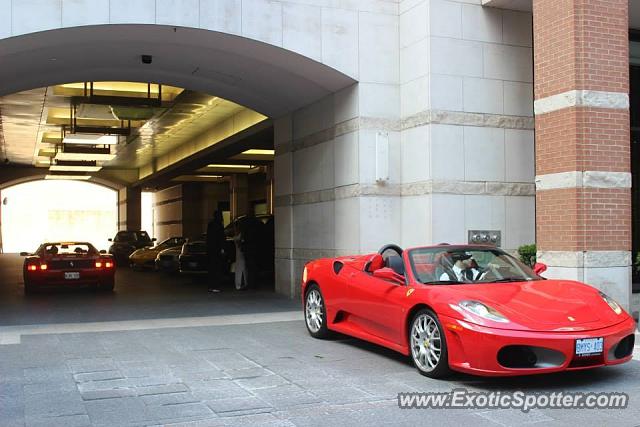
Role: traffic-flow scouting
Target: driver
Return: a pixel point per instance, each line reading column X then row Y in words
column 472, row 270
column 458, row 272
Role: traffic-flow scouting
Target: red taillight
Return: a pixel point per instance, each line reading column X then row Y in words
column 43, row 266
column 32, row 267
column 104, row 263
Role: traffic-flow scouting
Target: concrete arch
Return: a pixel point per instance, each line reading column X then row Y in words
column 10, row 177
column 259, row 75
column 40, row 177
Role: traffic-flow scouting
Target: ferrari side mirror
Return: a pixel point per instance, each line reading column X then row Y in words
column 102, row 251
column 111, row 240
column 388, row 274
column 539, row 268
column 24, row 254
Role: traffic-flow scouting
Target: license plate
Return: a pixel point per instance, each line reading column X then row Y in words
column 589, row 346
column 71, row 276
column 193, row 264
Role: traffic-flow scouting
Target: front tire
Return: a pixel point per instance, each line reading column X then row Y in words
column 428, row 345
column 315, row 313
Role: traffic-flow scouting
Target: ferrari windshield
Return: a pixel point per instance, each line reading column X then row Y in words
column 467, row 264
column 67, row 249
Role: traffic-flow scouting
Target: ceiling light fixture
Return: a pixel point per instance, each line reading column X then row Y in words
column 259, row 152
column 83, row 153
column 88, row 139
column 68, row 177
column 84, row 156
column 74, row 167
column 230, row 166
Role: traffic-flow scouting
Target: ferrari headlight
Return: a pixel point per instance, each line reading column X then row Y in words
column 482, row 310
column 612, row 303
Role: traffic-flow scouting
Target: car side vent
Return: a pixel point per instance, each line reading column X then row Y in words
column 337, row 266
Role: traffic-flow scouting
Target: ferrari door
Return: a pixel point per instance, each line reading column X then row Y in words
column 374, row 306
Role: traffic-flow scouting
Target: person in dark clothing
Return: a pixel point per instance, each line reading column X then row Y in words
column 251, row 235
column 215, row 246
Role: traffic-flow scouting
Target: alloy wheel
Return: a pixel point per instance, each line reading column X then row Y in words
column 426, row 342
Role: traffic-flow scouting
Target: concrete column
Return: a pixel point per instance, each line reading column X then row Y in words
column 466, row 126
column 239, row 195
column 583, row 179
column 192, row 211
column 167, row 205
column 129, row 208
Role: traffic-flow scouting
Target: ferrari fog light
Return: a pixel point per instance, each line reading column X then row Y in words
column 482, row 310
column 612, row 303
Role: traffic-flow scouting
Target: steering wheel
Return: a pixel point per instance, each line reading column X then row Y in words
column 391, row 247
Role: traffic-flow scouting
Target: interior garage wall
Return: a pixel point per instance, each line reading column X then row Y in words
column 167, row 215
column 185, row 209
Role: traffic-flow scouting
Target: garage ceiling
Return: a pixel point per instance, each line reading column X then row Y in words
column 31, row 121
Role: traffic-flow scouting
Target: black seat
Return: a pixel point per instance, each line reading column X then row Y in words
column 396, row 263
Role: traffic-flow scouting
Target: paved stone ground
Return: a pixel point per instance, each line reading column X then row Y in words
column 265, row 373
column 260, row 374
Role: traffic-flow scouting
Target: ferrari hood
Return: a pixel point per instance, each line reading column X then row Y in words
column 545, row 305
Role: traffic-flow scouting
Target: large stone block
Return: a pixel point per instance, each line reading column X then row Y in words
column 416, row 154
column 414, row 24
column 83, row 12
column 484, row 154
column 416, row 220
column 457, row 57
column 185, row 13
column 340, row 40
column 302, row 29
column 378, row 48
column 262, row 20
column 445, row 19
column 519, row 155
column 129, row 12
column 221, row 15
column 30, row 16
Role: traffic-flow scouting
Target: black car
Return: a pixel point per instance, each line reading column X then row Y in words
column 193, row 258
column 127, row 242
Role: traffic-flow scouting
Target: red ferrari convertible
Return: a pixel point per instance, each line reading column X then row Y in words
column 474, row 309
column 68, row 264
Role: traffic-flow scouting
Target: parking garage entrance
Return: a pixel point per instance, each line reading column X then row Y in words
column 181, row 113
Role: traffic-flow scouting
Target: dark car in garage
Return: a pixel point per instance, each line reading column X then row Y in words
column 193, row 258
column 74, row 264
column 127, row 242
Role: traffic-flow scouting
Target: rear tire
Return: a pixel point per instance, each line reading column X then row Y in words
column 428, row 345
column 315, row 312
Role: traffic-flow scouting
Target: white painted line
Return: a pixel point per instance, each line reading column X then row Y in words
column 13, row 334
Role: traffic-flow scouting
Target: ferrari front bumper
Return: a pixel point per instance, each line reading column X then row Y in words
column 480, row 350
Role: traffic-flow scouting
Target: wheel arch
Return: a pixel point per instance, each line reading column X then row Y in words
column 410, row 315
